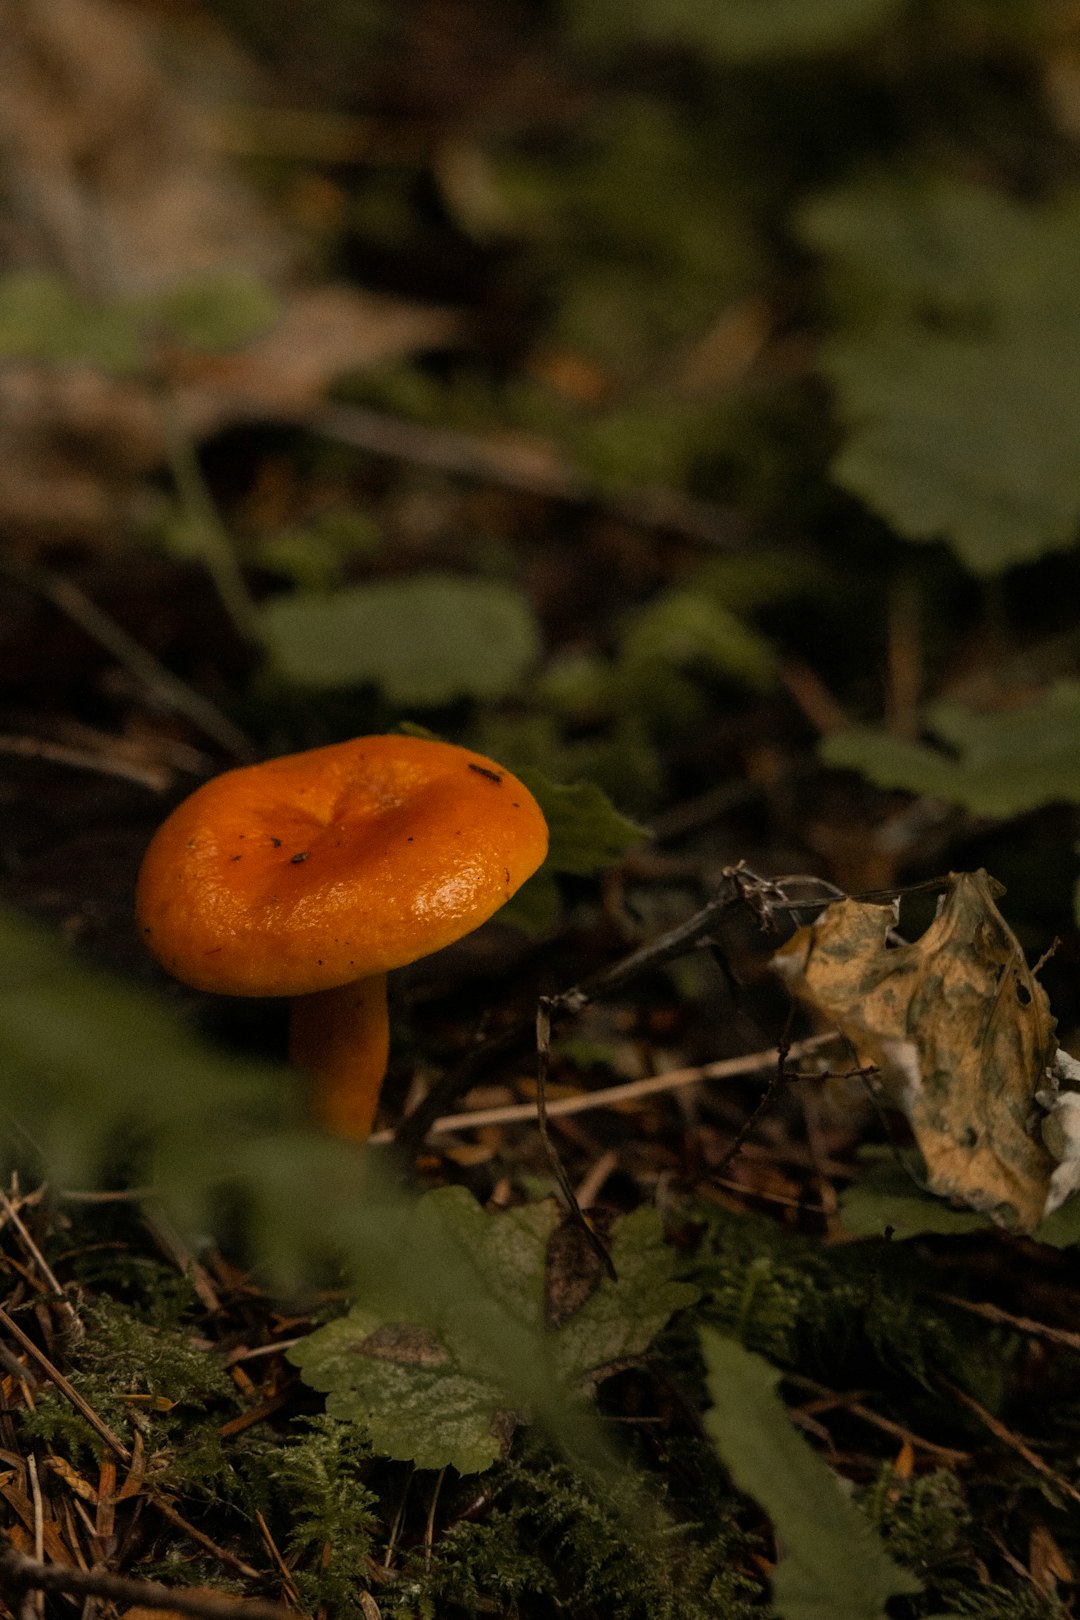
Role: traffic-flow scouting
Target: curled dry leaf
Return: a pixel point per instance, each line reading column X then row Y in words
column 960, row 1030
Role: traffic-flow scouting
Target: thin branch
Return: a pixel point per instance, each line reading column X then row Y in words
column 630, row 1091
column 19, row 1574
column 738, row 886
column 70, row 1394
column 81, row 759
column 1002, row 1432
column 172, row 693
column 1023, row 1324
column 222, row 1554
column 466, row 455
column 830, row 1398
column 558, row 1170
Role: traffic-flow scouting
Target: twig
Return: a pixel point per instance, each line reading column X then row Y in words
column 586, row 1190
column 1023, row 1324
column 738, row 885
column 429, row 1528
column 81, row 759
column 1001, row 1432
column 275, row 1553
column 466, row 455
column 543, row 1060
column 42, row 1264
column 161, row 683
column 222, row 1554
column 758, row 1112
column 831, row 1398
column 70, row 1394
column 39, row 1525
column 631, row 1091
column 218, row 552
column 21, row 1574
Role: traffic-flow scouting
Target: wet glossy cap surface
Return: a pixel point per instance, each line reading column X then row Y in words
column 315, row 869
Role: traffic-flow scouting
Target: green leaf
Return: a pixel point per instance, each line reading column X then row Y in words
column 98, row 1075
column 535, row 907
column 215, row 312
column 999, row 764
column 428, row 1393
column 620, row 1320
column 587, row 832
column 739, row 30
column 885, row 1198
column 833, row 1566
column 88, row 1063
column 956, row 362
column 684, row 628
column 43, row 318
column 425, row 640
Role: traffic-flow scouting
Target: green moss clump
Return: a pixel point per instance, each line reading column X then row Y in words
column 552, row 1545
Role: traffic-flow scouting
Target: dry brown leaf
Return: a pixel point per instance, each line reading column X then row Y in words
column 324, row 333
column 114, row 182
column 1046, row 1561
column 959, row 1028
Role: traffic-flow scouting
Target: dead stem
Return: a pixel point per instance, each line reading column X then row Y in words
column 70, row 1394
column 1002, row 1432
column 19, row 1574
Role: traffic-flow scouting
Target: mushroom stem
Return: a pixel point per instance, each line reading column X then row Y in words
column 342, row 1038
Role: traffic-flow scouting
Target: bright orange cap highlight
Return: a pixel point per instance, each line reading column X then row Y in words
column 320, row 868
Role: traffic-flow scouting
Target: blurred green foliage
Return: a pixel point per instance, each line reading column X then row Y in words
column 424, row 641
column 955, row 358
column 430, row 1398
column 997, row 764
column 832, row 1563
column 43, row 317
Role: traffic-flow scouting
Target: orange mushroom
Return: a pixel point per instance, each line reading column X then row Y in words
column 313, row 875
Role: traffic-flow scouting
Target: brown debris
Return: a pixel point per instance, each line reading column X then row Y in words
column 959, row 1028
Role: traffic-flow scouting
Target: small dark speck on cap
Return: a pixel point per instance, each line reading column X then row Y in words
column 482, row 770
column 236, row 857
column 276, row 842
column 294, row 860
column 516, row 804
column 409, row 839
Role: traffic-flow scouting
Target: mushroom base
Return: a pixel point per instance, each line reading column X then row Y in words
column 341, row 1037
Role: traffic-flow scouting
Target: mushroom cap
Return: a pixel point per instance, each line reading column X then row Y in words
column 316, row 869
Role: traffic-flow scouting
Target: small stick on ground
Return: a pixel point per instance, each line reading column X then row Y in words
column 543, row 1060
column 468, row 455
column 19, row 1574
column 1023, row 1324
column 830, row 1398
column 629, row 1091
column 1002, row 1432
column 64, row 1304
column 738, row 886
column 70, row 1394
column 172, row 693
column 223, row 1555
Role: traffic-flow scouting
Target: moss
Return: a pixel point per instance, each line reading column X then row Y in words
column 827, row 1310
column 927, row 1520
column 314, row 1492
column 552, row 1545
column 129, row 1370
